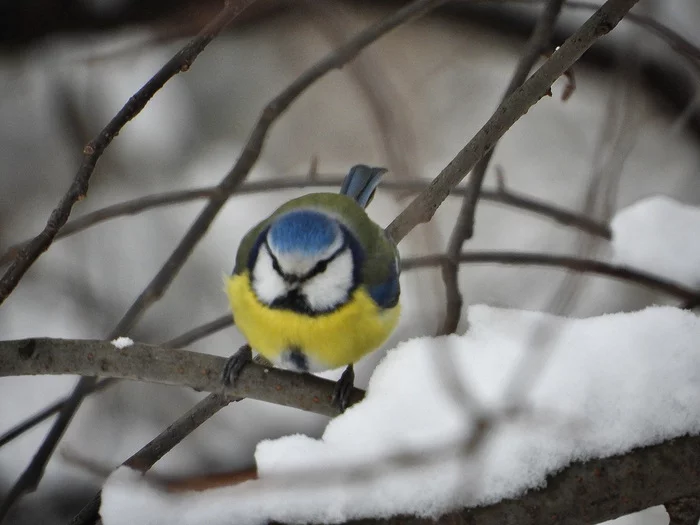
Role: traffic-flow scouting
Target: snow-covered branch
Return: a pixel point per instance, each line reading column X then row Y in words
column 588, row 492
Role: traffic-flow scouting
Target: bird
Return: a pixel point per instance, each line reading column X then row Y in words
column 315, row 285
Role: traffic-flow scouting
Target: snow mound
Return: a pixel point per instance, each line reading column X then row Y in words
column 659, row 235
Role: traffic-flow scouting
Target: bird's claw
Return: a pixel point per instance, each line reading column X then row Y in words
column 343, row 389
column 235, row 365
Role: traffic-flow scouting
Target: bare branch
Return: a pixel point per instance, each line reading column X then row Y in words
column 155, row 449
column 180, row 341
column 576, row 264
column 93, row 151
column 155, row 364
column 149, row 202
column 423, row 207
column 464, row 225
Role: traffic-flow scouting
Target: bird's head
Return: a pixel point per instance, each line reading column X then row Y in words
column 307, row 262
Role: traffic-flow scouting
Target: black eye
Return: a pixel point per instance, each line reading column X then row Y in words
column 321, row 267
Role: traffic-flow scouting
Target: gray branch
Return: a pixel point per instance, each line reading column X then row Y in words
column 154, row 364
column 423, row 207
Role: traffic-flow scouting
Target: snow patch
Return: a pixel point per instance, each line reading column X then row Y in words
column 122, row 342
column 659, row 235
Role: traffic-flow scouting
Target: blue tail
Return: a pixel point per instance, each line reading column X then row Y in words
column 361, row 183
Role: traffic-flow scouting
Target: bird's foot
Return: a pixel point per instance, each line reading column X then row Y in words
column 236, row 363
column 263, row 361
column 343, row 388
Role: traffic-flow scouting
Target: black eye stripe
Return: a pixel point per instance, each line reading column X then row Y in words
column 318, row 268
column 322, row 265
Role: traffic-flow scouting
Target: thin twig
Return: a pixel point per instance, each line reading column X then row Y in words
column 539, row 41
column 577, row 264
column 141, row 204
column 93, row 151
column 423, row 207
column 155, row 449
column 180, row 341
column 249, row 156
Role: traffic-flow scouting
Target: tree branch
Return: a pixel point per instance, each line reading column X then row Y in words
column 576, row 264
column 155, row 449
column 423, row 207
column 464, row 225
column 155, row 364
column 93, row 151
column 180, row 341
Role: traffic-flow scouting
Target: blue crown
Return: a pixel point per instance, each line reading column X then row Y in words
column 306, row 232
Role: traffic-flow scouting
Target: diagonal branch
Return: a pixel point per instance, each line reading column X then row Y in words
column 423, row 207
column 155, row 449
column 93, row 151
column 539, row 41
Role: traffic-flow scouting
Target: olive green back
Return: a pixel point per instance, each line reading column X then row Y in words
column 380, row 251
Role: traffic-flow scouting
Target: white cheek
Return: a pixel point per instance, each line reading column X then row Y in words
column 330, row 288
column 267, row 283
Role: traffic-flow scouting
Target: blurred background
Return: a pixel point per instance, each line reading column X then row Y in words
column 410, row 102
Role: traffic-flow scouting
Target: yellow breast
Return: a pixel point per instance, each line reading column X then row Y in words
column 336, row 339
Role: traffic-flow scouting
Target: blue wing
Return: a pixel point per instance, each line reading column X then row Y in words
column 386, row 294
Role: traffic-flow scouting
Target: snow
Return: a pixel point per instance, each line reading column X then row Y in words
column 122, row 342
column 657, row 234
column 610, row 384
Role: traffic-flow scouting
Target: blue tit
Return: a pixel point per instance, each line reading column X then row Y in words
column 316, row 285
